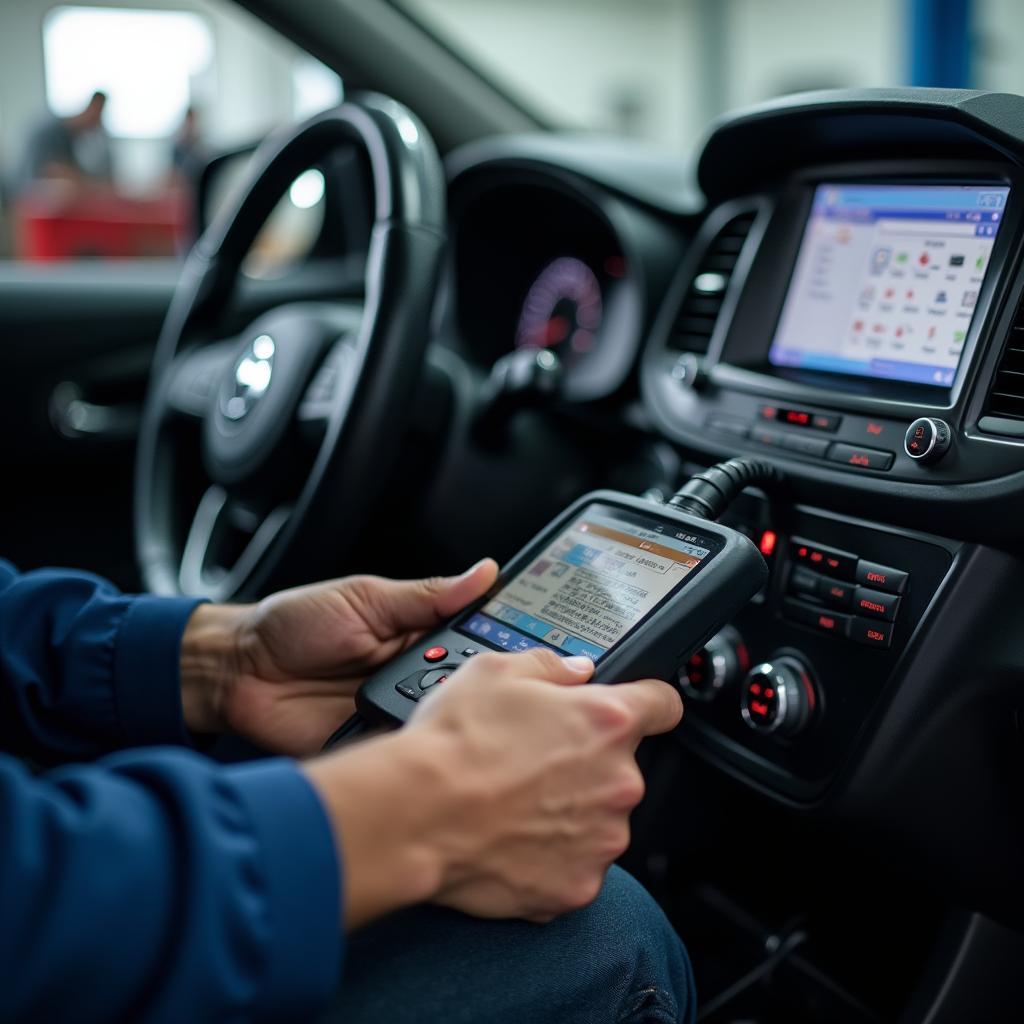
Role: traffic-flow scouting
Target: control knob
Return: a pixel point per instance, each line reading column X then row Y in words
column 778, row 696
column 927, row 439
column 721, row 661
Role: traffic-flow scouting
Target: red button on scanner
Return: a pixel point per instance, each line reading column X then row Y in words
column 435, row 653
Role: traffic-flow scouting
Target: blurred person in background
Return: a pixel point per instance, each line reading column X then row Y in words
column 188, row 154
column 74, row 150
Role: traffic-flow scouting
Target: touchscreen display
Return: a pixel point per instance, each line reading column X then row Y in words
column 591, row 584
column 887, row 278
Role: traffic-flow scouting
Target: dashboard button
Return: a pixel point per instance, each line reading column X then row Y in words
column 837, row 593
column 822, row 619
column 822, row 559
column 821, row 421
column 803, row 581
column 871, row 632
column 875, row 432
column 816, row 446
column 764, row 436
column 407, row 691
column 437, row 653
column 861, row 458
column 881, row 577
column 875, row 604
column 727, row 425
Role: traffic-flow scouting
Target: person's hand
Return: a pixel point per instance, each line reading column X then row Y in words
column 283, row 673
column 507, row 794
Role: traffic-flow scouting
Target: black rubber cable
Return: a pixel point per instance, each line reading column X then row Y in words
column 710, row 493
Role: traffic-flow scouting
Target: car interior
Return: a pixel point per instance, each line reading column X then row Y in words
column 405, row 325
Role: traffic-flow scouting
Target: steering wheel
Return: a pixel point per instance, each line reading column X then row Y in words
column 260, row 456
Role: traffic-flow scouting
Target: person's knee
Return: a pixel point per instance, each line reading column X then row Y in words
column 626, row 924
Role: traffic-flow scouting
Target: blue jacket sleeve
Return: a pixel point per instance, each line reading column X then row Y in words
column 156, row 886
column 85, row 669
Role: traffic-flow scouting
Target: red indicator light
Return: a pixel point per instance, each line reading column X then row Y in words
column 800, row 418
column 769, row 694
column 759, row 708
column 876, row 577
column 755, row 689
column 816, row 556
column 826, row 622
column 435, row 653
column 768, row 412
column 768, row 541
column 833, row 563
column 859, row 460
column 873, row 634
column 875, row 428
column 802, row 553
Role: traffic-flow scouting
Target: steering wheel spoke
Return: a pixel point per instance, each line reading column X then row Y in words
column 331, row 387
column 227, row 539
column 193, row 376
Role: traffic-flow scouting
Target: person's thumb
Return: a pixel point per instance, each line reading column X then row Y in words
column 420, row 604
column 543, row 663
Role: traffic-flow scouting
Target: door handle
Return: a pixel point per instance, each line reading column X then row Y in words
column 74, row 417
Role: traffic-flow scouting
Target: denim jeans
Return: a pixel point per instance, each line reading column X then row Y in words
column 617, row 961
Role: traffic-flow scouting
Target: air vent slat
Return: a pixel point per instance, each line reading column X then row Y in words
column 1004, row 407
column 695, row 322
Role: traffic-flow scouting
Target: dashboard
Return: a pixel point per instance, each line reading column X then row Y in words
column 835, row 289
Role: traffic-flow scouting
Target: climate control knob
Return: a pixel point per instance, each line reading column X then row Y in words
column 721, row 661
column 778, row 696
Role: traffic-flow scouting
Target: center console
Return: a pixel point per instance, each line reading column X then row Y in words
column 858, row 324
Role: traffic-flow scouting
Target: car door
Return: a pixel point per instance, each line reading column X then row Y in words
column 94, row 220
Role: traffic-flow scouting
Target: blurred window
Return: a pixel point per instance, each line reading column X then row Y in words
column 108, row 115
column 145, row 61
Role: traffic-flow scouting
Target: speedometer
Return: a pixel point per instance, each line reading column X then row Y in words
column 562, row 310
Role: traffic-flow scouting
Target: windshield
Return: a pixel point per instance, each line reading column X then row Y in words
column 663, row 69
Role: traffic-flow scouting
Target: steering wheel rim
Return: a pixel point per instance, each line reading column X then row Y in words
column 366, row 412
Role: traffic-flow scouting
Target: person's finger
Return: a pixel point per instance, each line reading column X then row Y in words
column 461, row 590
column 419, row 604
column 543, row 663
column 657, row 706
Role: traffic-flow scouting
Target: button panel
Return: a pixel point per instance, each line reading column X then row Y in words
column 837, row 593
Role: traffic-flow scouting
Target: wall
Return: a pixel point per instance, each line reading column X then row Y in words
column 684, row 61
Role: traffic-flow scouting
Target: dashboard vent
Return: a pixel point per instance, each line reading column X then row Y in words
column 698, row 314
column 1004, row 410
